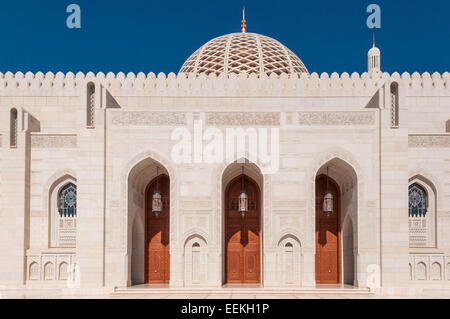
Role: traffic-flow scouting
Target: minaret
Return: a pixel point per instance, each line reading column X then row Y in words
column 373, row 61
column 243, row 25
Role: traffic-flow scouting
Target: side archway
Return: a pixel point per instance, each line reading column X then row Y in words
column 148, row 236
column 336, row 236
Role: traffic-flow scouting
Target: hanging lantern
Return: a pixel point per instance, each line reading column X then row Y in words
column 327, row 205
column 243, row 198
column 157, row 205
column 243, row 203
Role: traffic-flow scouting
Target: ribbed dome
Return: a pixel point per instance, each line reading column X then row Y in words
column 243, row 53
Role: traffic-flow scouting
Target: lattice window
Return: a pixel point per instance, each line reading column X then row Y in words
column 67, row 201
column 67, row 208
column 417, row 201
column 13, row 128
column 418, row 230
column 90, row 120
column 394, row 105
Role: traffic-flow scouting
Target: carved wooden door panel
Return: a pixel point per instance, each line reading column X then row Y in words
column 242, row 235
column 327, row 234
column 157, row 235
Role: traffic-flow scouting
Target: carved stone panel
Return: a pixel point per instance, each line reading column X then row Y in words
column 146, row 118
column 336, row 118
column 243, row 118
column 54, row 141
column 429, row 141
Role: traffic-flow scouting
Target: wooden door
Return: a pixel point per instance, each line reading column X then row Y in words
column 328, row 235
column 157, row 265
column 242, row 235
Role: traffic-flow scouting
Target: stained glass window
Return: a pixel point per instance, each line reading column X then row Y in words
column 417, row 201
column 67, row 201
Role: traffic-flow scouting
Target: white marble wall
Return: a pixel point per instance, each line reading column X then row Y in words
column 322, row 120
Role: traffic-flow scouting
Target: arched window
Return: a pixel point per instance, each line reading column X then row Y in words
column 417, row 201
column 421, row 213
column 67, row 201
column 13, row 128
column 394, row 105
column 90, row 105
column 67, row 211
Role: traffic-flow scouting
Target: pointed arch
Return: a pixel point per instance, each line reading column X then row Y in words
column 242, row 263
column 195, row 260
column 61, row 227
column 422, row 211
column 137, row 174
column 347, row 173
column 289, row 260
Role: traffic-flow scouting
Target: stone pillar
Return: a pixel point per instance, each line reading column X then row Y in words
column 394, row 197
column 15, row 199
column 91, row 194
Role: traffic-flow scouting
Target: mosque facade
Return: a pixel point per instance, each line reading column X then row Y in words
column 243, row 168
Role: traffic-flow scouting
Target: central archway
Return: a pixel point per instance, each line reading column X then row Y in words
column 242, row 234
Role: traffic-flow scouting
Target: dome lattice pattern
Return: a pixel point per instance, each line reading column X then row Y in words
column 249, row 53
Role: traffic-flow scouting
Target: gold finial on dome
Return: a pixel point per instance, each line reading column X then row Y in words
column 243, row 25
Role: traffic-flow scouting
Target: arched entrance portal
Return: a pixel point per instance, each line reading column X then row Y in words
column 337, row 235
column 328, row 234
column 157, row 258
column 242, row 234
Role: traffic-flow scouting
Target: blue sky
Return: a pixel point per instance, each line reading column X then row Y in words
column 158, row 36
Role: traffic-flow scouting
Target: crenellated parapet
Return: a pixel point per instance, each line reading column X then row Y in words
column 181, row 85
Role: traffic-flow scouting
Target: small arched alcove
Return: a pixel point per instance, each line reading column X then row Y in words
column 289, row 261
column 195, row 260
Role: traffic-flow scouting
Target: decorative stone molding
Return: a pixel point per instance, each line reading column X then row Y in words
column 429, row 140
column 50, row 267
column 429, row 267
column 242, row 118
column 146, row 118
column 336, row 118
column 54, row 140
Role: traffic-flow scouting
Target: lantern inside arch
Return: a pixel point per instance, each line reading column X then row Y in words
column 157, row 204
column 327, row 205
column 243, row 198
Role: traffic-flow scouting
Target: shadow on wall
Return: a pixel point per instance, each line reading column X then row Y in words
column 111, row 101
column 447, row 126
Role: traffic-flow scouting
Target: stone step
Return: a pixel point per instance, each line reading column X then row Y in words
column 244, row 291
